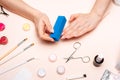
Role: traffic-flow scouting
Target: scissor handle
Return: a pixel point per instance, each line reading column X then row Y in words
column 76, row 45
column 85, row 59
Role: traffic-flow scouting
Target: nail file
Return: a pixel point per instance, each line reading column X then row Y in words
column 23, row 74
column 58, row 28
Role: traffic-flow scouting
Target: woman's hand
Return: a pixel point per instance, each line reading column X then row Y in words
column 80, row 24
column 43, row 27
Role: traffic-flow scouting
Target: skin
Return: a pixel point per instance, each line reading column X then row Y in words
column 41, row 20
column 79, row 24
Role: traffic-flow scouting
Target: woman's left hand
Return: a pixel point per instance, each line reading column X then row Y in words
column 80, row 24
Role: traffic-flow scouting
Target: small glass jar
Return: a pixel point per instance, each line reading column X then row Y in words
column 117, row 2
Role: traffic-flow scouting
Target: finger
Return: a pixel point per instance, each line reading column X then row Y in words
column 48, row 26
column 69, row 32
column 76, row 32
column 46, row 37
column 41, row 28
column 78, row 21
column 82, row 31
column 73, row 17
column 73, row 24
column 42, row 32
column 71, row 29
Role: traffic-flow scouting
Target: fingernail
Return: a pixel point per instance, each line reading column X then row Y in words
column 52, row 40
column 52, row 30
column 62, row 37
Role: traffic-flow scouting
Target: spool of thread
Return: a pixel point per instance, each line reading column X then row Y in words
column 58, row 28
column 98, row 60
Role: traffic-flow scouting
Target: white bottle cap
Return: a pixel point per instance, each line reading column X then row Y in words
column 41, row 72
column 99, row 58
column 60, row 70
column 52, row 58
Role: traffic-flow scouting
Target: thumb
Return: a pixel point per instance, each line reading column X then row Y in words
column 73, row 17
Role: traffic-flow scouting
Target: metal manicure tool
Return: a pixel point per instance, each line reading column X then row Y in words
column 18, row 65
column 3, row 12
column 76, row 46
column 12, row 49
column 18, row 53
column 84, row 59
column 76, row 77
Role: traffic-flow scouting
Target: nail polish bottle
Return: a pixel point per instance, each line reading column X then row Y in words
column 98, row 60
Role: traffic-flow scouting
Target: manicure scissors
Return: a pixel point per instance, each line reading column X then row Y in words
column 84, row 59
column 3, row 12
column 76, row 46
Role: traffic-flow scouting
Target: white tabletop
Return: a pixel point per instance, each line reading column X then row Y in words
column 104, row 39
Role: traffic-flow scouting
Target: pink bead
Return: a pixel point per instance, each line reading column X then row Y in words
column 3, row 40
column 2, row 26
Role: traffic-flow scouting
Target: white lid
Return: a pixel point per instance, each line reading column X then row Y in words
column 52, row 58
column 99, row 58
column 60, row 70
column 41, row 72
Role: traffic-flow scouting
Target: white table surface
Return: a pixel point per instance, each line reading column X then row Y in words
column 104, row 39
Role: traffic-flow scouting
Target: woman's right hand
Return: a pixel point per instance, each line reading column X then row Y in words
column 43, row 27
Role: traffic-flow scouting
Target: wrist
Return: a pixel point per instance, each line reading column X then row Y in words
column 37, row 14
column 99, row 15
